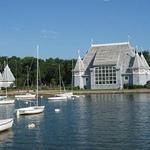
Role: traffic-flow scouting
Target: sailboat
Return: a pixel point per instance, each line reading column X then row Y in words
column 32, row 109
column 5, row 124
column 26, row 95
column 7, row 77
column 62, row 95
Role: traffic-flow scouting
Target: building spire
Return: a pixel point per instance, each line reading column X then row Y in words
column 79, row 54
column 91, row 41
column 79, row 64
column 136, row 47
column 137, row 62
column 128, row 38
column 144, row 61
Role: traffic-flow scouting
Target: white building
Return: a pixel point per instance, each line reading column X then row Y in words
column 6, row 78
column 111, row 66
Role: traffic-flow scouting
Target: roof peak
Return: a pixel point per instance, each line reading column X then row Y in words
column 110, row 44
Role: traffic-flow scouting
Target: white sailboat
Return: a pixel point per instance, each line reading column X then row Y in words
column 32, row 109
column 7, row 101
column 62, row 95
column 27, row 95
column 65, row 93
column 6, row 124
column 7, row 79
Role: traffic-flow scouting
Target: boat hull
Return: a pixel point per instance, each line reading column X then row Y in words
column 3, row 97
column 58, row 98
column 75, row 96
column 7, row 101
column 66, row 94
column 6, row 124
column 26, row 96
column 30, row 110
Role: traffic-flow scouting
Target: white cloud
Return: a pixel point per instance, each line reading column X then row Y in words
column 48, row 34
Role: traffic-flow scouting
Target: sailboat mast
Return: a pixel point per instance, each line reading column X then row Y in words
column 72, row 78
column 6, row 76
column 28, row 78
column 59, row 80
column 37, row 73
column 6, row 79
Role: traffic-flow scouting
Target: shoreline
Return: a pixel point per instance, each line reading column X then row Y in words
column 47, row 93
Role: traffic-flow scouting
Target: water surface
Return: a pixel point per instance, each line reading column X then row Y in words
column 96, row 122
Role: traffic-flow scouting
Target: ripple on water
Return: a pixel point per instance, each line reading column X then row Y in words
column 120, row 121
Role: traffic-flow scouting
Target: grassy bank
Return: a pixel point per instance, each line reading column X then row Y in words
column 78, row 92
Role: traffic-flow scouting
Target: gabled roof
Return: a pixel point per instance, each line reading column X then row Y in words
column 107, row 54
column 144, row 61
column 7, row 74
column 137, row 62
column 89, row 56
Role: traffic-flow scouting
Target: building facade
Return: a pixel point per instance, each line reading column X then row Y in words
column 111, row 66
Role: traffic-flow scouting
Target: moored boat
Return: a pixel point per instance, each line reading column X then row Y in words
column 6, row 101
column 6, row 124
column 25, row 96
column 32, row 109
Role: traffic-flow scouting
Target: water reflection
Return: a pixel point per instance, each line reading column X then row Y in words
column 7, row 111
column 106, row 121
column 117, row 118
column 6, row 139
column 23, row 135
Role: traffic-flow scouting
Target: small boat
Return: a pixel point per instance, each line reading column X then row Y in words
column 62, row 95
column 65, row 94
column 75, row 96
column 58, row 98
column 3, row 97
column 6, row 124
column 6, row 101
column 32, row 109
column 25, row 96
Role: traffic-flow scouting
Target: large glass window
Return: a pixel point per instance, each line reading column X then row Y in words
column 105, row 75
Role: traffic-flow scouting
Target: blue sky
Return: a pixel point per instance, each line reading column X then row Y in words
column 62, row 27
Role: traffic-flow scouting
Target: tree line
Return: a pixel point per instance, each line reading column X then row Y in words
column 24, row 70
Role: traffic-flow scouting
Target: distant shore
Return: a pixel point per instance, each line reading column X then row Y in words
column 48, row 93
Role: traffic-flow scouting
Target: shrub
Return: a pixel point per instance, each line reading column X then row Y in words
column 133, row 86
column 147, row 85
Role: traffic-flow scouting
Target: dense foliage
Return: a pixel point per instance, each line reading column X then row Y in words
column 24, row 70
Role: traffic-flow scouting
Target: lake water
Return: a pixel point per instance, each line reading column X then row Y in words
column 96, row 122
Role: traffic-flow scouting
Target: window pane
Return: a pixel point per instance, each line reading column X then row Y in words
column 105, row 75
